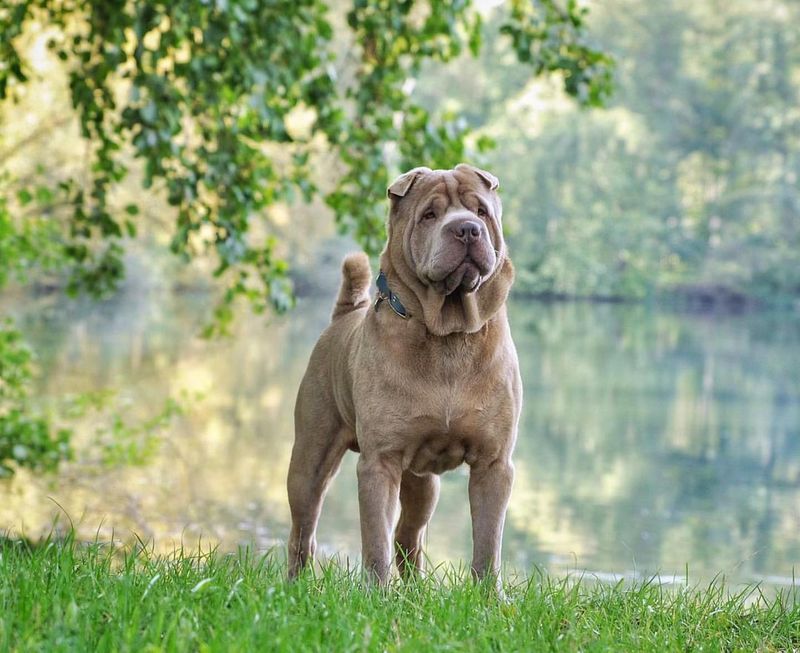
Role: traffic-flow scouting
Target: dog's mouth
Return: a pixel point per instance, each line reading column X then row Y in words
column 458, row 267
column 466, row 277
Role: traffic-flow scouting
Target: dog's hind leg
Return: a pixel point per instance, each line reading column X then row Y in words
column 320, row 442
column 418, row 497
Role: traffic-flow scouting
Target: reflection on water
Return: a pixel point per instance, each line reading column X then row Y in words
column 650, row 440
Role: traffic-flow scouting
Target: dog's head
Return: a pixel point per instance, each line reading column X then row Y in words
column 446, row 243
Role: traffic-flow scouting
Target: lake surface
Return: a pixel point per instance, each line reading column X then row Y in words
column 651, row 441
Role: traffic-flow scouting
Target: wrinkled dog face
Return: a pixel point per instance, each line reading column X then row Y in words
column 452, row 232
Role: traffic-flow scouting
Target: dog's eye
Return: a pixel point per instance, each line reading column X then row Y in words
column 482, row 212
column 429, row 215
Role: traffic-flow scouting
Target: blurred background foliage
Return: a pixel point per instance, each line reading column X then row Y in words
column 685, row 183
column 227, row 108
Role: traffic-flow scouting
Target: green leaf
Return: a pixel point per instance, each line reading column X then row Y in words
column 24, row 196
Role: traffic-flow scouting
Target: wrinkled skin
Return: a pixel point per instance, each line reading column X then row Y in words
column 419, row 396
column 452, row 236
column 459, row 282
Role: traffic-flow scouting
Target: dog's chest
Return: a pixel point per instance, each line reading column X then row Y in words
column 439, row 403
column 447, row 427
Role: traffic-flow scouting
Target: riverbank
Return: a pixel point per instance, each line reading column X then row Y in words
column 691, row 298
column 61, row 596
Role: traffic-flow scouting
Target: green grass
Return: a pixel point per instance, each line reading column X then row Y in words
column 62, row 596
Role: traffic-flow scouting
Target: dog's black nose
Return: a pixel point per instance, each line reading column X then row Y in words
column 467, row 231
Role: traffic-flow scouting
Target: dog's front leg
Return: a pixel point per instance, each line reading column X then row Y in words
column 489, row 491
column 378, row 497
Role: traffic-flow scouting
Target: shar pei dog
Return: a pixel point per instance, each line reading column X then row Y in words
column 418, row 381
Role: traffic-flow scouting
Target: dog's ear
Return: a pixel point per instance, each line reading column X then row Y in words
column 401, row 185
column 492, row 183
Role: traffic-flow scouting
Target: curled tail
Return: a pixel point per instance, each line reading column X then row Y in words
column 356, row 280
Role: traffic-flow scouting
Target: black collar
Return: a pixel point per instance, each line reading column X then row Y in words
column 385, row 293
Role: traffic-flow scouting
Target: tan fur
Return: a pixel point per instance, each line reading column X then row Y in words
column 417, row 396
column 356, row 279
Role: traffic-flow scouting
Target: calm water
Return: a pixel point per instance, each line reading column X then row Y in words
column 650, row 440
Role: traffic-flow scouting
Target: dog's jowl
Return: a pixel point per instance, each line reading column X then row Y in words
column 418, row 379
